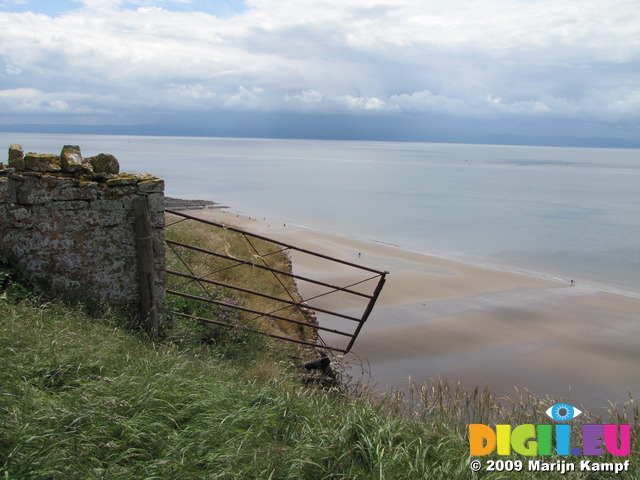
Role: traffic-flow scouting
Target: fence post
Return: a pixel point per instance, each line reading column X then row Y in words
column 144, row 247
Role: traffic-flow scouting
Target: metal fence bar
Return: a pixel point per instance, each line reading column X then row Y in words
column 272, row 335
column 263, row 295
column 277, row 242
column 262, row 314
column 188, row 268
column 282, row 272
column 289, row 303
column 368, row 311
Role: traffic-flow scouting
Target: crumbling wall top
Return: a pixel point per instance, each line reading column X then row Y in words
column 102, row 168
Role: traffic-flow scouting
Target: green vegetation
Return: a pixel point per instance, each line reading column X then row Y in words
column 249, row 276
column 82, row 397
column 12, row 285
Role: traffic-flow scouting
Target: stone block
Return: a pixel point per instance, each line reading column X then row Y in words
column 4, row 190
column 151, row 186
column 71, row 158
column 111, row 218
column 21, row 214
column 87, row 167
column 157, row 220
column 105, row 163
column 106, row 205
column 72, row 205
column 16, row 177
column 16, row 156
column 32, row 196
column 122, row 181
column 50, row 182
column 42, row 162
column 142, row 177
column 86, row 192
column 156, row 202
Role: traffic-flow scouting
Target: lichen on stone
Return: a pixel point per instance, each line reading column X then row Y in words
column 16, row 156
column 71, row 158
column 42, row 162
column 122, row 180
column 105, row 163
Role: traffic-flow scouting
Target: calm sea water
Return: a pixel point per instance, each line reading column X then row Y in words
column 568, row 213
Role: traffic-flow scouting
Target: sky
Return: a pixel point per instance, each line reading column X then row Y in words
column 539, row 72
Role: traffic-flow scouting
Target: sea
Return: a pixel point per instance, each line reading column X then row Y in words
column 554, row 212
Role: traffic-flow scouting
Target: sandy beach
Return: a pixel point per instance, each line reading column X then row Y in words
column 475, row 325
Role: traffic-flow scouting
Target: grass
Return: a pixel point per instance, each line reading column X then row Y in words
column 82, row 397
column 255, row 253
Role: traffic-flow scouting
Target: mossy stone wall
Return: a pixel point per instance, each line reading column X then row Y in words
column 67, row 222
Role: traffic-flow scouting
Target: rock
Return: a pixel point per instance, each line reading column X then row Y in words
column 20, row 214
column 322, row 363
column 180, row 204
column 4, row 190
column 156, row 203
column 122, row 181
column 151, row 186
column 16, row 156
column 105, row 163
column 71, row 158
column 42, row 162
column 87, row 168
column 143, row 177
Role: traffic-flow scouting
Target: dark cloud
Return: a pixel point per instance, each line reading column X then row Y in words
column 501, row 70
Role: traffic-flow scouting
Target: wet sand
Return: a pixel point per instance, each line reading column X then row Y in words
column 475, row 325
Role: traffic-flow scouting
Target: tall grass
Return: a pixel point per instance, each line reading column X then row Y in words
column 83, row 398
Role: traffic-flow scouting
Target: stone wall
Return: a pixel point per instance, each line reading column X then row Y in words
column 68, row 223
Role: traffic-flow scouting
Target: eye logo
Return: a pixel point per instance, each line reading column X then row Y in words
column 562, row 412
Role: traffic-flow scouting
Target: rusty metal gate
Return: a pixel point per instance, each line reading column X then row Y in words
column 300, row 310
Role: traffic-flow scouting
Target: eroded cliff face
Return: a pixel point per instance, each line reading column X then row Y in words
column 68, row 223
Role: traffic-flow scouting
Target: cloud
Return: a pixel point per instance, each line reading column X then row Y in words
column 364, row 103
column 501, row 59
column 246, row 98
column 305, row 97
column 12, row 70
column 30, row 100
column 20, row 92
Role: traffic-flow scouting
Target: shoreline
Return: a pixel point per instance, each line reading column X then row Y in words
column 477, row 325
column 617, row 289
